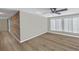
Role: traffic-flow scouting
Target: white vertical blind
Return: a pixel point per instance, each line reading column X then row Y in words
column 70, row 25
column 66, row 24
column 78, row 25
column 52, row 24
column 74, row 24
column 58, row 25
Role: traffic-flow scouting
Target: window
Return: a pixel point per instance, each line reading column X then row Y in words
column 78, row 25
column 66, row 24
column 70, row 25
column 58, row 23
column 52, row 23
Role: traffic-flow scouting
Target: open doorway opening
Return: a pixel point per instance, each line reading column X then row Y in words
column 3, row 25
column 10, row 22
column 14, row 25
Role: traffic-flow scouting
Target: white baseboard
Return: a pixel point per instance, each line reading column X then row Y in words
column 21, row 41
column 64, row 34
column 32, row 37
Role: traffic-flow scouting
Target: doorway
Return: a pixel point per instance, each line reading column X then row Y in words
column 3, row 25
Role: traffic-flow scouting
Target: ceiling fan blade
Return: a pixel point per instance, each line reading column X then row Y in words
column 52, row 10
column 62, row 10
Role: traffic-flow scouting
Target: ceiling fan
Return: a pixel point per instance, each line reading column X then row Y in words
column 55, row 11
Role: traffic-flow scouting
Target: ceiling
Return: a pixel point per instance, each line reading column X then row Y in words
column 47, row 13
column 8, row 12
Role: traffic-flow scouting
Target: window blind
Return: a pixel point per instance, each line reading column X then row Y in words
column 66, row 24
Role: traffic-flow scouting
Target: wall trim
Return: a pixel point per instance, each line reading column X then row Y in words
column 32, row 37
column 64, row 34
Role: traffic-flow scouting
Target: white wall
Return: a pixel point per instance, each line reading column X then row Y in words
column 31, row 25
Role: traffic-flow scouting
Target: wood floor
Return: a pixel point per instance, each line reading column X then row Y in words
column 45, row 42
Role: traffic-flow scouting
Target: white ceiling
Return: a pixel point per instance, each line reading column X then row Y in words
column 38, row 11
column 47, row 13
column 6, row 13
